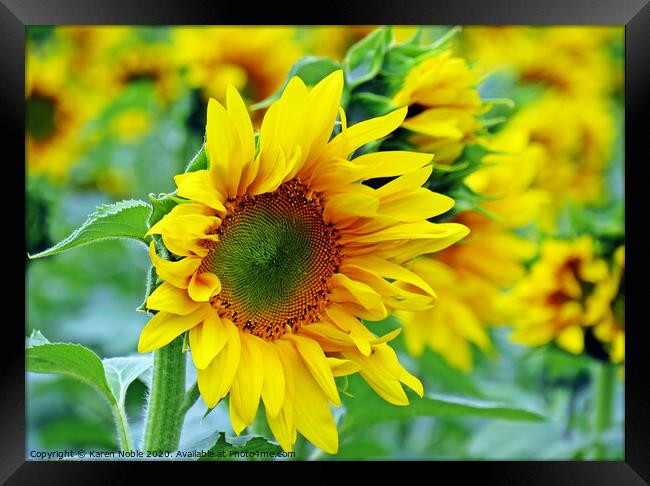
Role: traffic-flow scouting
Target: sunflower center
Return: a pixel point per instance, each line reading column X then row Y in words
column 41, row 116
column 274, row 257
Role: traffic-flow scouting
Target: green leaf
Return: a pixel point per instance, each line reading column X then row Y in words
column 365, row 58
column 72, row 360
column 311, row 69
column 121, row 372
column 242, row 447
column 362, row 449
column 124, row 219
column 79, row 433
column 80, row 363
column 369, row 409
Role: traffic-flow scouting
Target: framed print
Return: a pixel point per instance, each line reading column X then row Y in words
column 393, row 233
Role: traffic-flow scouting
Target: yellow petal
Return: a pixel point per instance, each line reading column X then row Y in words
column 324, row 102
column 238, row 424
column 396, row 188
column 184, row 209
column 203, row 286
column 350, row 205
column 391, row 163
column 342, row 367
column 247, row 383
column 366, row 131
column 447, row 236
column 357, row 331
column 312, row 414
column 242, row 124
column 273, row 388
column 184, row 234
column 571, row 339
column 176, row 273
column 283, row 425
column 314, row 358
column 407, row 231
column 417, row 205
column 383, row 372
column 207, row 340
column 198, row 186
column 216, row 379
column 171, row 299
column 285, row 126
column 164, row 327
column 348, row 290
column 391, row 270
column 438, row 123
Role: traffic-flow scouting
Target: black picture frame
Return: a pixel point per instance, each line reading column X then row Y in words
column 15, row 15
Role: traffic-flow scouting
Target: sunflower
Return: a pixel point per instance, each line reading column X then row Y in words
column 55, row 113
column 453, row 325
column 113, row 57
column 254, row 60
column 572, row 61
column 560, row 299
column 443, row 103
column 608, row 309
column 576, row 138
column 279, row 254
column 469, row 277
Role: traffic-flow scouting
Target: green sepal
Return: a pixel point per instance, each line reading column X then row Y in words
column 162, row 204
column 199, row 161
column 364, row 59
column 365, row 105
column 151, row 284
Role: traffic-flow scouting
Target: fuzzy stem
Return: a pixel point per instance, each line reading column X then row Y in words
column 123, row 428
column 164, row 417
column 604, row 403
column 604, row 399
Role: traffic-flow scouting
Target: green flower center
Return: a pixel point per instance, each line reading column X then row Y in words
column 41, row 116
column 274, row 257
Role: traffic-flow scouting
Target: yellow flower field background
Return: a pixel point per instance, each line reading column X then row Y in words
column 510, row 325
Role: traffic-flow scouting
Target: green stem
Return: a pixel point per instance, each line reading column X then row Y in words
column 164, row 418
column 122, row 427
column 604, row 403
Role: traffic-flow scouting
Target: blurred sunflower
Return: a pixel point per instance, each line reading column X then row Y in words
column 453, row 325
column 254, row 60
column 87, row 46
column 608, row 309
column 567, row 291
column 470, row 276
column 576, row 138
column 281, row 253
column 55, row 112
column 571, row 60
column 110, row 58
column 443, row 103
